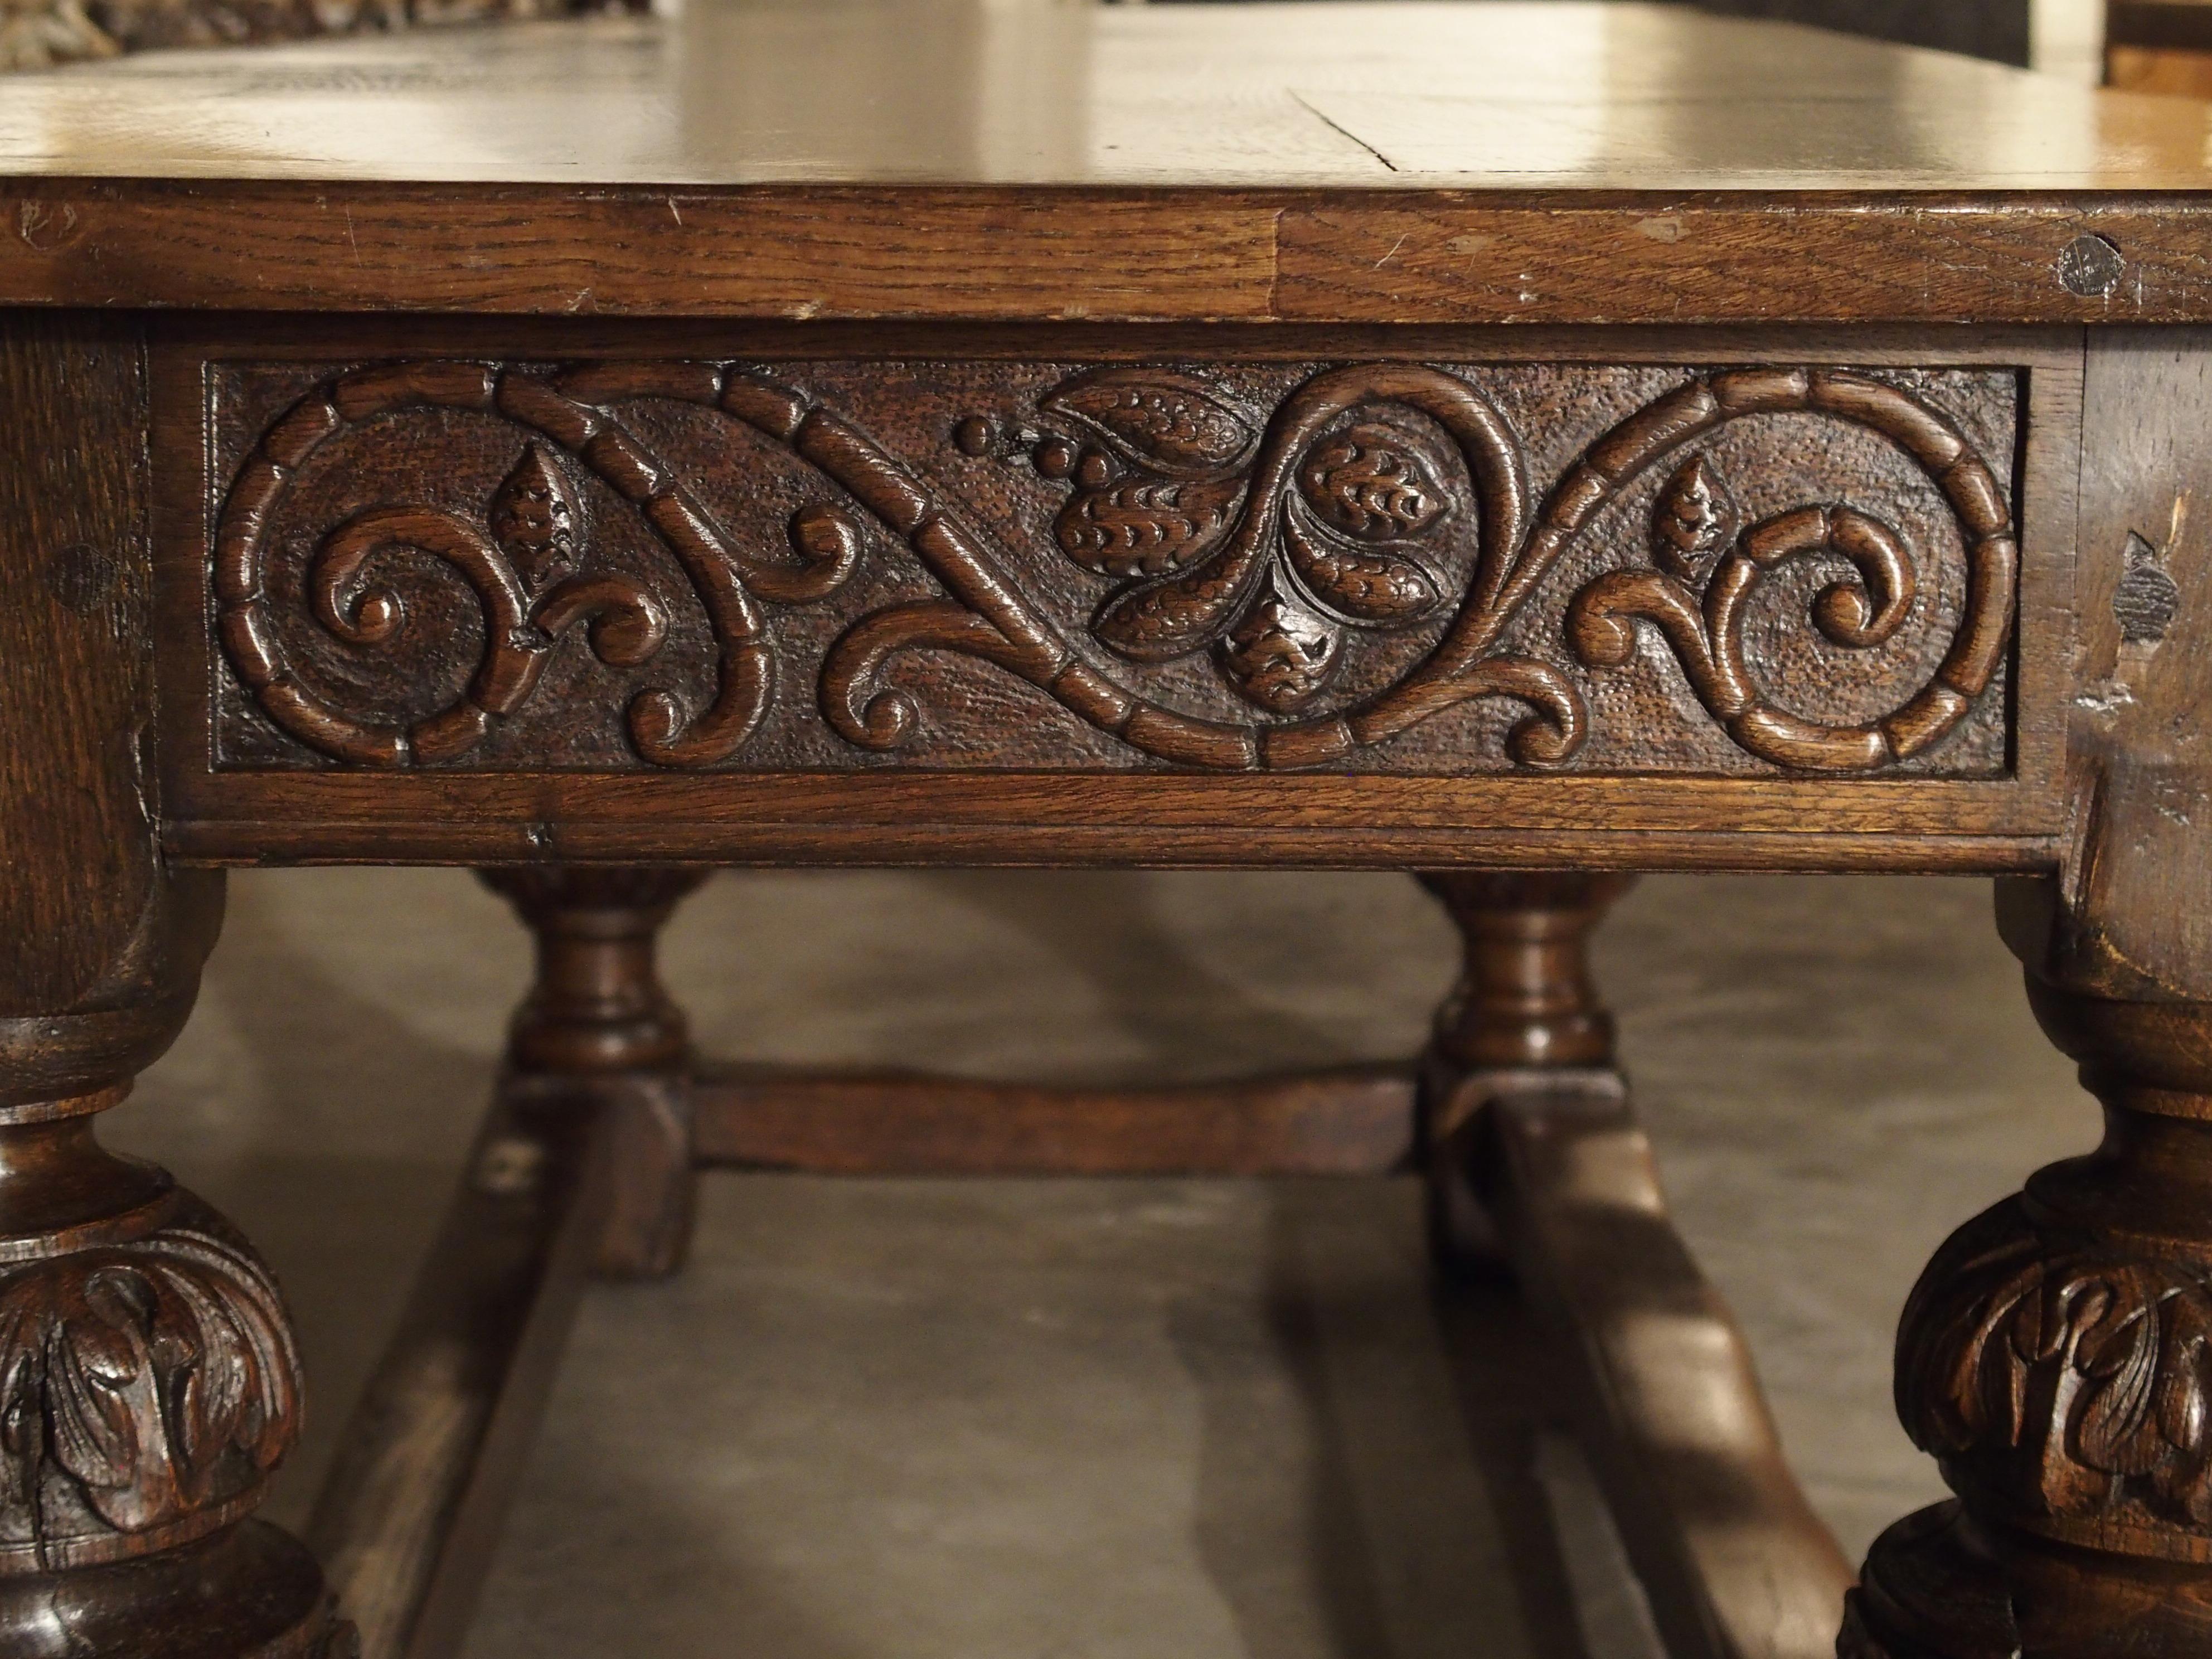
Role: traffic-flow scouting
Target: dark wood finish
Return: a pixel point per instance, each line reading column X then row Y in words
column 2049, row 1356
column 1665, row 1399
column 74, row 654
column 1132, row 582
column 149, row 1381
column 1870, row 255
column 751, row 654
column 1535, row 1161
column 1384, row 580
column 1533, row 162
column 409, row 1515
column 2051, row 1359
column 1524, row 1001
column 1354, row 1122
column 597, row 1036
column 1524, row 1009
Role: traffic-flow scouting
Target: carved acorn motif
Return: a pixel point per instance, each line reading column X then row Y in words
column 536, row 520
column 1281, row 655
column 1211, row 519
column 1370, row 484
column 1144, row 526
column 1160, row 484
column 1163, row 493
column 1695, row 521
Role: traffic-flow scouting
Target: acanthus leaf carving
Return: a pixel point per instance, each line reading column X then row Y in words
column 1279, row 544
column 148, row 1387
column 2068, row 1383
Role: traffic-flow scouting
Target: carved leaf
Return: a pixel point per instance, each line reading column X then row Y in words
column 1144, row 526
column 1185, row 490
column 1166, row 422
column 1370, row 484
column 1695, row 521
column 156, row 1378
column 1171, row 617
column 1280, row 656
column 2181, row 1404
column 1375, row 585
column 535, row 520
column 2118, row 1352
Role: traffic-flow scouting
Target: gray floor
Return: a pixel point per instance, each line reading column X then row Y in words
column 1102, row 1420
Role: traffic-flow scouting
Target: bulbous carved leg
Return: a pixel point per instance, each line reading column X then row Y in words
column 1523, row 1003
column 2056, row 1359
column 598, row 1030
column 148, row 1382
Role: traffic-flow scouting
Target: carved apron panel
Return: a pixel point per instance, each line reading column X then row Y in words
column 1384, row 568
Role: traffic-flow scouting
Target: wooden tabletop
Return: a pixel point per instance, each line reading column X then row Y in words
column 1503, row 95
column 1169, row 161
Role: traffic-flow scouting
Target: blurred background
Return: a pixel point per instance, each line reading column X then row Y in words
column 2062, row 36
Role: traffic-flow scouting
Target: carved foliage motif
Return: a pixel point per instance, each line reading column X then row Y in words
column 2069, row 1385
column 1375, row 500
column 147, row 1387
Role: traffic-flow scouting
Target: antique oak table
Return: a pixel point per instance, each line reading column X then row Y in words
column 1546, row 439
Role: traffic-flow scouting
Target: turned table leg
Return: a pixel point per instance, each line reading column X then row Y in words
column 148, row 1382
column 2056, row 1358
column 1524, row 1004
column 598, row 1030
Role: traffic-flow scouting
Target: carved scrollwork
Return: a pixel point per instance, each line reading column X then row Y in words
column 1376, row 500
column 148, row 1386
column 2066, row 1385
column 519, row 571
column 1344, row 494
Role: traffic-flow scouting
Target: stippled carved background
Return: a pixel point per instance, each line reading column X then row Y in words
column 1366, row 567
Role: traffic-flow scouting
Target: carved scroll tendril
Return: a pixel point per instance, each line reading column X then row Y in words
column 1279, row 545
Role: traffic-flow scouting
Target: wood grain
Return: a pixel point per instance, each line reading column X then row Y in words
column 1561, row 94
column 1352, row 1122
column 1371, row 565
column 1140, row 817
column 75, row 661
column 1665, row 1398
column 597, row 1036
column 1672, row 258
column 2027, row 1358
column 2132, row 914
column 1526, row 162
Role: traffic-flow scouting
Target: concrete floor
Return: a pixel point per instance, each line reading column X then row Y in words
column 1102, row 1420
